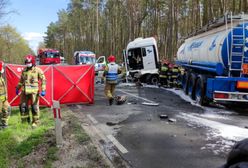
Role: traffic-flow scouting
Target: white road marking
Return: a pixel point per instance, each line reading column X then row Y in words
column 92, row 119
column 136, row 96
column 110, row 137
column 117, row 144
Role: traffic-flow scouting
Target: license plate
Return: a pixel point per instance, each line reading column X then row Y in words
column 245, row 68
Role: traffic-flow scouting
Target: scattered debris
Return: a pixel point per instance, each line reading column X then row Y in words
column 111, row 123
column 150, row 104
column 172, row 120
column 120, row 99
column 163, row 116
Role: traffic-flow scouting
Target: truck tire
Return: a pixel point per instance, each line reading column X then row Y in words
column 185, row 82
column 191, row 86
column 152, row 79
column 200, row 90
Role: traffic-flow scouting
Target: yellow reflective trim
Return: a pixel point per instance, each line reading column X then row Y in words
column 24, row 116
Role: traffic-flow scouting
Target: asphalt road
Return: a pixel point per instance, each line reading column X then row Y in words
column 145, row 140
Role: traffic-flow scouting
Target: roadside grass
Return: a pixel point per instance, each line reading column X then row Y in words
column 81, row 136
column 19, row 139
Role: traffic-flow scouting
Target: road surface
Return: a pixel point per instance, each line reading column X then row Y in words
column 187, row 135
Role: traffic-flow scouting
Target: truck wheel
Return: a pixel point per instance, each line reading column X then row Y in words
column 192, row 82
column 200, row 91
column 185, row 82
column 154, row 80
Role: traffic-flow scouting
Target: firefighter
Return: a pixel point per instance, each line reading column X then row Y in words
column 111, row 72
column 29, row 84
column 4, row 104
column 163, row 73
column 175, row 72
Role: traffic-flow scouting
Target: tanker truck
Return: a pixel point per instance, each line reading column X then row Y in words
column 216, row 62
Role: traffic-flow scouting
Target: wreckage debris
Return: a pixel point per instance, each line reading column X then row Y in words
column 172, row 120
column 163, row 116
column 120, row 99
column 150, row 104
column 111, row 123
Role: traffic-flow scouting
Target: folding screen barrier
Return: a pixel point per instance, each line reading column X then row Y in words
column 67, row 84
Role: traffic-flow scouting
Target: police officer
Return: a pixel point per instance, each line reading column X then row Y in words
column 111, row 75
column 4, row 104
column 163, row 73
column 29, row 83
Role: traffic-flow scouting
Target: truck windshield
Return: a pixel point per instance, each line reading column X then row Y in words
column 87, row 60
column 52, row 55
column 135, row 60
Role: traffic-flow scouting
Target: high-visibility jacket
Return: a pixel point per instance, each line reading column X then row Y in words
column 164, row 71
column 175, row 72
column 29, row 81
column 111, row 72
column 3, row 92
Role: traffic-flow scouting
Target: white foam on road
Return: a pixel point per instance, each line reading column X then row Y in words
column 221, row 137
column 226, row 131
column 208, row 110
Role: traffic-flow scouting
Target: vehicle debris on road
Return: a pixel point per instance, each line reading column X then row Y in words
column 150, row 104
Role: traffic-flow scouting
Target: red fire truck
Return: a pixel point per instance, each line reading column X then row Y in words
column 49, row 56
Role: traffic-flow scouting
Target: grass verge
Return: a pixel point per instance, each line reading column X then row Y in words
column 19, row 139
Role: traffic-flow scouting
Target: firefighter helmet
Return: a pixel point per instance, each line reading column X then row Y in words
column 111, row 58
column 1, row 66
column 30, row 60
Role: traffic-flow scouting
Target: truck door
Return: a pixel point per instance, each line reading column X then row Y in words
column 148, row 55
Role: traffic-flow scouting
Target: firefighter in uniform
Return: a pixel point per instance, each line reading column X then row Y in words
column 175, row 76
column 163, row 73
column 29, row 83
column 4, row 104
column 111, row 75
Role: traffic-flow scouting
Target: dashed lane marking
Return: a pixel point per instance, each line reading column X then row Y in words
column 110, row 137
column 150, row 101
column 92, row 119
column 119, row 146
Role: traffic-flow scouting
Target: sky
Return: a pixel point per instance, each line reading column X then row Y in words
column 31, row 18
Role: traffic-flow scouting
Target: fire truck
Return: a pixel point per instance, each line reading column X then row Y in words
column 49, row 56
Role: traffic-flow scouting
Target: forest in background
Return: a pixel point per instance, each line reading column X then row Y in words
column 13, row 46
column 106, row 26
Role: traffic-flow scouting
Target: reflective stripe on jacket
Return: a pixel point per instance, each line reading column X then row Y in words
column 164, row 70
column 175, row 73
column 112, row 73
column 30, row 80
column 3, row 93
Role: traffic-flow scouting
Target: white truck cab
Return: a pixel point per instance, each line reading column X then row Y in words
column 143, row 60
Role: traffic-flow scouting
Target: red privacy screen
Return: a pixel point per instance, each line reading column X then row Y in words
column 68, row 84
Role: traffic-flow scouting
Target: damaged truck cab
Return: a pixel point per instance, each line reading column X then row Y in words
column 141, row 57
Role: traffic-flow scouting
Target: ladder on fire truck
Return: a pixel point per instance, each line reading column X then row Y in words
column 237, row 48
